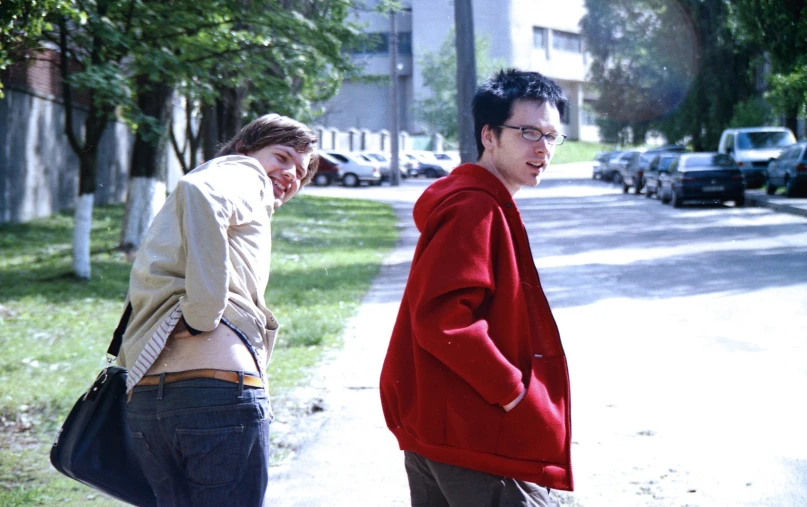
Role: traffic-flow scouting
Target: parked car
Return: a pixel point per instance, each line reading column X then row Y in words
column 405, row 164
column 329, row 171
column 633, row 167
column 629, row 173
column 600, row 164
column 668, row 148
column 753, row 148
column 382, row 161
column 658, row 166
column 385, row 161
column 611, row 171
column 451, row 158
column 413, row 164
column 430, row 166
column 789, row 170
column 703, row 177
column 356, row 168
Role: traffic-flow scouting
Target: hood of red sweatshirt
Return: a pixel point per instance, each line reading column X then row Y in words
column 464, row 177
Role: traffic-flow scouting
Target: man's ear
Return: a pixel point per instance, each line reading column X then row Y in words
column 488, row 137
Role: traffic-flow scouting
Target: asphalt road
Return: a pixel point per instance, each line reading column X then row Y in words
column 685, row 331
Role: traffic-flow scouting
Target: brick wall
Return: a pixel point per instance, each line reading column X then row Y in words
column 39, row 74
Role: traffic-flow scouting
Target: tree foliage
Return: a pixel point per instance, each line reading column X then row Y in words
column 671, row 66
column 230, row 60
column 779, row 29
column 22, row 23
column 238, row 58
column 439, row 70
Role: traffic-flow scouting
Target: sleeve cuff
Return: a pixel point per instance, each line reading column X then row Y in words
column 191, row 330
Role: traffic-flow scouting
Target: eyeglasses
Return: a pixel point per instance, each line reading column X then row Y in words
column 531, row 134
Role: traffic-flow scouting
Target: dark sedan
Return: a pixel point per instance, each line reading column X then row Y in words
column 702, row 177
column 789, row 170
column 629, row 173
column 660, row 164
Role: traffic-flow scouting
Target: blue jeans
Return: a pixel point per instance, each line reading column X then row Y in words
column 202, row 442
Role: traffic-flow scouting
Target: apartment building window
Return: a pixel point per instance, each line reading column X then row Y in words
column 538, row 37
column 376, row 43
column 405, row 43
column 566, row 41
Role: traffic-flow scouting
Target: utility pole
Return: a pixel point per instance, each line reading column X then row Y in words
column 466, row 77
column 395, row 173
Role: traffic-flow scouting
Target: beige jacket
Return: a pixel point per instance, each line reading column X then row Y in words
column 206, row 253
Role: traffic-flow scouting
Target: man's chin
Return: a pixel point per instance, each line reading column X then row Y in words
column 534, row 181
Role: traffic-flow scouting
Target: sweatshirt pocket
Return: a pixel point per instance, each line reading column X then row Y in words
column 536, row 429
column 471, row 422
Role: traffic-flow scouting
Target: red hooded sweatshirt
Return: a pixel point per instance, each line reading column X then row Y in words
column 474, row 329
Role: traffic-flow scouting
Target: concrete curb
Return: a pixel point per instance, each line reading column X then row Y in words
column 779, row 204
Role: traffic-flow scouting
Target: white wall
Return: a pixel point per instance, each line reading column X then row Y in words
column 508, row 24
column 359, row 105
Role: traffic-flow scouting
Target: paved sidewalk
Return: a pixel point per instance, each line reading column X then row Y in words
column 345, row 456
column 350, row 458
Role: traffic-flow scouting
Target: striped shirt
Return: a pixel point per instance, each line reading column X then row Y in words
column 153, row 348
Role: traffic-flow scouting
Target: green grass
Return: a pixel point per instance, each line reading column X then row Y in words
column 54, row 329
column 578, row 151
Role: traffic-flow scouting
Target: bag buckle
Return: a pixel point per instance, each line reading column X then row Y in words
column 99, row 381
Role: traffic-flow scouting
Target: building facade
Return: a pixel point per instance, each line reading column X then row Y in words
column 528, row 34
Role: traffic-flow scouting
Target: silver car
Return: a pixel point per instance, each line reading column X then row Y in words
column 356, row 168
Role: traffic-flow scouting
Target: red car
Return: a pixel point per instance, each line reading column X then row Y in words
column 329, row 171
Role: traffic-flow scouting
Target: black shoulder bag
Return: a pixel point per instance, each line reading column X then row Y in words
column 91, row 446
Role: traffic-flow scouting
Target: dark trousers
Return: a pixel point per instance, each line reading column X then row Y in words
column 433, row 484
column 202, row 442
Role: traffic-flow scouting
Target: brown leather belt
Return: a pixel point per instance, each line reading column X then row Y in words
column 226, row 375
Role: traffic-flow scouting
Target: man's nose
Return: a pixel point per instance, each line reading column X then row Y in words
column 289, row 172
column 541, row 145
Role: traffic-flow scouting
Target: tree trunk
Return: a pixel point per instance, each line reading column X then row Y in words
column 86, row 149
column 221, row 121
column 210, row 127
column 82, row 227
column 791, row 118
column 145, row 198
column 94, row 126
column 466, row 78
column 146, row 193
column 229, row 112
column 82, row 215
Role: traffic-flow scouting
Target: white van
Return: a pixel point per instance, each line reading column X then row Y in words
column 753, row 148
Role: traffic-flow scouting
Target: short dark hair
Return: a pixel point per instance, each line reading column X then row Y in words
column 274, row 129
column 493, row 101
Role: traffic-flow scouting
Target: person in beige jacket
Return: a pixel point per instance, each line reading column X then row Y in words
column 200, row 333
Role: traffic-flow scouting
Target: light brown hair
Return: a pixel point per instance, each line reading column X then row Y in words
column 274, row 129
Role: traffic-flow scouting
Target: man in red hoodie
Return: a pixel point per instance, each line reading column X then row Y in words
column 475, row 385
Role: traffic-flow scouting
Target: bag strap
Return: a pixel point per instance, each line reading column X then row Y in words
column 117, row 336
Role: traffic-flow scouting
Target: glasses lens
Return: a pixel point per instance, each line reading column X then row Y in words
column 531, row 135
column 559, row 140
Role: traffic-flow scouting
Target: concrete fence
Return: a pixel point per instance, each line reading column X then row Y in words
column 360, row 140
column 39, row 170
